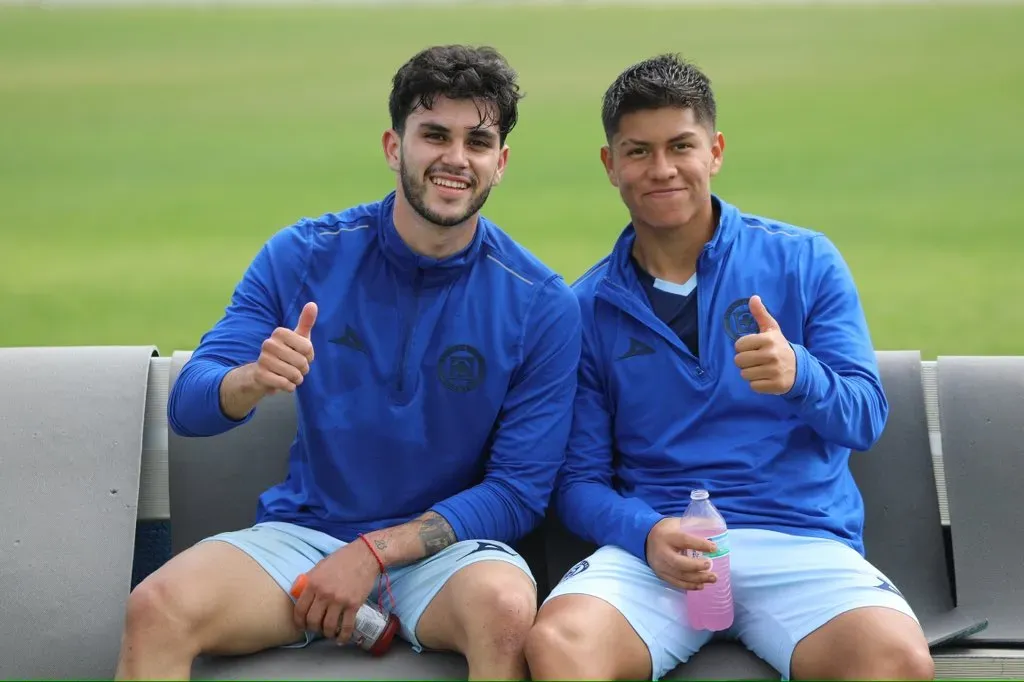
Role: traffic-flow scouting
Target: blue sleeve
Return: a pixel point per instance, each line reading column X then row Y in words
column 259, row 304
column 837, row 390
column 586, row 502
column 529, row 443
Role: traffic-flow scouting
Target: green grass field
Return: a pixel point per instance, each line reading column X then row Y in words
column 146, row 154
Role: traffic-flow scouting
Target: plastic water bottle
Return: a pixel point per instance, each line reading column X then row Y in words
column 712, row 607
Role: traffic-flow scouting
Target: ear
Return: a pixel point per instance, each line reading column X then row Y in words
column 392, row 143
column 717, row 152
column 499, row 172
column 608, row 162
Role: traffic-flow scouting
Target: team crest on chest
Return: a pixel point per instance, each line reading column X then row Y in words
column 461, row 368
column 738, row 320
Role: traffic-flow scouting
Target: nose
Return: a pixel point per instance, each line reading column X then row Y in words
column 661, row 169
column 455, row 156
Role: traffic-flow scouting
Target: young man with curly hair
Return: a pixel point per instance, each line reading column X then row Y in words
column 433, row 361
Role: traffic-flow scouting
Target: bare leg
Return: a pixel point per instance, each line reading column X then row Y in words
column 870, row 643
column 579, row 637
column 212, row 598
column 484, row 612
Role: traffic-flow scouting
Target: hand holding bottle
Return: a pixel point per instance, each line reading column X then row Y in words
column 669, row 555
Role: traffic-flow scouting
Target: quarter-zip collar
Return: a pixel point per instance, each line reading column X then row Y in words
column 430, row 270
column 620, row 268
column 621, row 286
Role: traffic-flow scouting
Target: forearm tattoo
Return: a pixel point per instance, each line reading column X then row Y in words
column 435, row 534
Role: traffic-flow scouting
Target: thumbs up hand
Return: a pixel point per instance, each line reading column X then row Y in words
column 766, row 360
column 285, row 357
column 306, row 320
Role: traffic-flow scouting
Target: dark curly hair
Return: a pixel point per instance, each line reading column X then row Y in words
column 663, row 81
column 456, row 72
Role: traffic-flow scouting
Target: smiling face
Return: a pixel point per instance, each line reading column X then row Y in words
column 662, row 161
column 448, row 159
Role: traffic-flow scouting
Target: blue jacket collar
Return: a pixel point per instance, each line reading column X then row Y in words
column 405, row 260
column 620, row 265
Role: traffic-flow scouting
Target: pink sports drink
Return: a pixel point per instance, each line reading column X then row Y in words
column 712, row 607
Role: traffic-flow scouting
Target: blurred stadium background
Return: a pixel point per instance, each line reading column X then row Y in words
column 147, row 152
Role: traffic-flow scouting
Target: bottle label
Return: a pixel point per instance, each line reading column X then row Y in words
column 369, row 625
column 722, row 542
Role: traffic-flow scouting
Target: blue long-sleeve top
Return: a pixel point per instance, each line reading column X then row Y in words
column 442, row 385
column 654, row 421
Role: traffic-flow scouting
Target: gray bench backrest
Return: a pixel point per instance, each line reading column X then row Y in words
column 71, row 422
column 902, row 528
column 214, row 483
column 981, row 403
column 903, row 533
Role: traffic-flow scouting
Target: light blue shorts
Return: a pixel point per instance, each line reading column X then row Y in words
column 784, row 588
column 286, row 550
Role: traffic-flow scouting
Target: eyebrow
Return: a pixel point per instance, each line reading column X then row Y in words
column 630, row 141
column 479, row 133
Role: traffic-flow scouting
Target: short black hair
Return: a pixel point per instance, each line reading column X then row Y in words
column 666, row 80
column 456, row 72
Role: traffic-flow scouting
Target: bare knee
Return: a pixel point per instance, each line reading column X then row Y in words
column 871, row 643
column 918, row 664
column 880, row 660
column 900, row 659
column 582, row 637
column 155, row 610
column 498, row 612
column 555, row 649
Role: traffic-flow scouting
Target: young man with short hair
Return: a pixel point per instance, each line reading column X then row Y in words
column 728, row 352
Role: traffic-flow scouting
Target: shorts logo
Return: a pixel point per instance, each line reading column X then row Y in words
column 461, row 368
column 576, row 570
column 887, row 586
column 738, row 320
column 487, row 547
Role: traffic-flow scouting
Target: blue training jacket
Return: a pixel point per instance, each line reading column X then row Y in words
column 437, row 384
column 652, row 422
